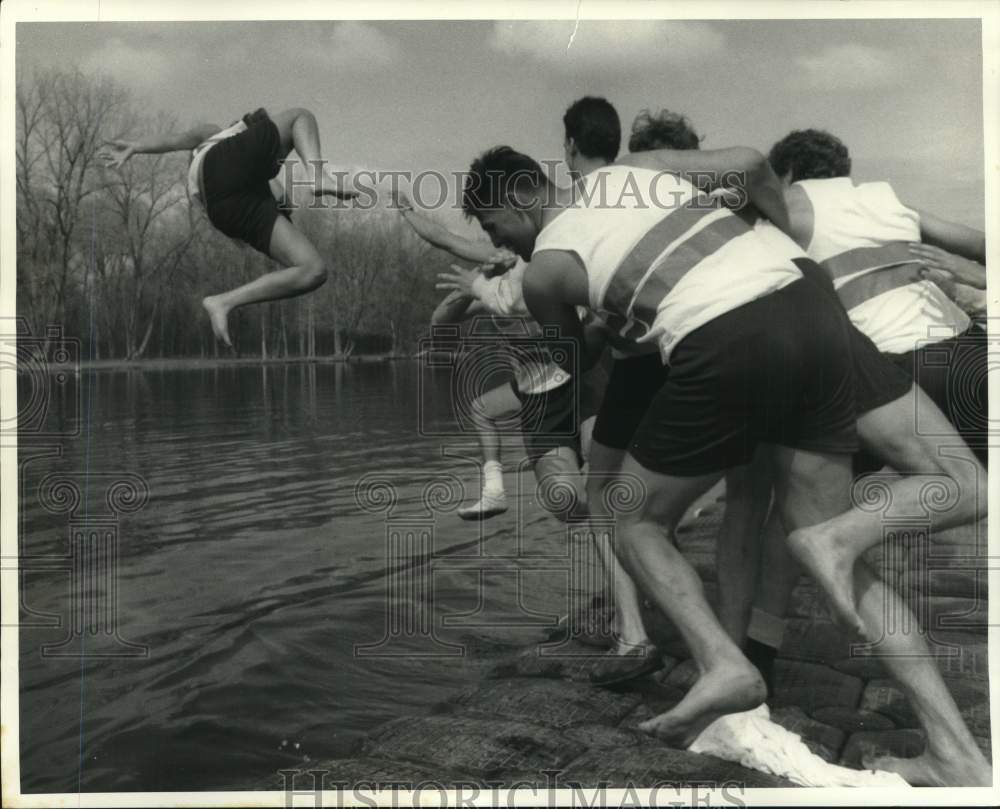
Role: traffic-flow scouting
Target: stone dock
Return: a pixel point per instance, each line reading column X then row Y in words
column 535, row 717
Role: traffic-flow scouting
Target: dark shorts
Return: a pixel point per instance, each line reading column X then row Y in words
column 777, row 370
column 594, row 383
column 953, row 373
column 876, row 380
column 235, row 175
column 633, row 383
column 550, row 420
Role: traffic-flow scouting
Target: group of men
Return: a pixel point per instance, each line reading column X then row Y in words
column 787, row 337
column 766, row 319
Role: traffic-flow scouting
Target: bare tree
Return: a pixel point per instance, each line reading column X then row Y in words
column 62, row 118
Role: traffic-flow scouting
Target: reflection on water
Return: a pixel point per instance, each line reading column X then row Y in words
column 252, row 573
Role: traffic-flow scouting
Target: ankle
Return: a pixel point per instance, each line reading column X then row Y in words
column 493, row 477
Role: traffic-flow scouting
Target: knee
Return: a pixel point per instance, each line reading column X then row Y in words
column 596, row 492
column 971, row 479
column 303, row 114
column 477, row 412
column 562, row 496
column 314, row 273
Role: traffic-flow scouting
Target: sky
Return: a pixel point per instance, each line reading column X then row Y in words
column 904, row 95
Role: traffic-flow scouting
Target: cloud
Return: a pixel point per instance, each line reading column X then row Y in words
column 345, row 46
column 359, row 43
column 141, row 68
column 849, row 67
column 607, row 45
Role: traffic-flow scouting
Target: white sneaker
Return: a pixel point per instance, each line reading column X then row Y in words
column 489, row 505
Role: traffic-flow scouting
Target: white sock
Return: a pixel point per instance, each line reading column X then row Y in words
column 766, row 628
column 493, row 477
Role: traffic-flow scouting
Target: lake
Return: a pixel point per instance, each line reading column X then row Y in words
column 264, row 564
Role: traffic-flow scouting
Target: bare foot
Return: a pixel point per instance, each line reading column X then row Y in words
column 219, row 316
column 728, row 687
column 927, row 770
column 833, row 570
column 340, row 187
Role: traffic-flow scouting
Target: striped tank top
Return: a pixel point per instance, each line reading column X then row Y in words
column 662, row 258
column 859, row 237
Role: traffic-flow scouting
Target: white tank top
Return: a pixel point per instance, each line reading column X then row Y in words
column 198, row 156
column 859, row 230
column 662, row 258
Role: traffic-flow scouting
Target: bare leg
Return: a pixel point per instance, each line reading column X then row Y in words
column 304, row 271
column 486, row 412
column 561, row 487
column 942, row 482
column 738, row 555
column 952, row 757
column 586, row 437
column 299, row 131
column 727, row 682
column 779, row 571
column 629, row 630
column 808, row 486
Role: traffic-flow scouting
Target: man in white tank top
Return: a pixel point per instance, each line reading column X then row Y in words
column 592, row 137
column 869, row 243
column 231, row 174
column 756, row 356
column 863, row 235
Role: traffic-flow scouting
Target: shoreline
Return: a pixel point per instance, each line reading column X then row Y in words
column 192, row 363
column 535, row 720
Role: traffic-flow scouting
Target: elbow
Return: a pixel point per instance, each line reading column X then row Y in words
column 753, row 163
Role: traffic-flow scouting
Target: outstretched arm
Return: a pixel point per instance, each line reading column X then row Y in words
column 117, row 152
column 454, row 308
column 439, row 236
column 740, row 168
column 500, row 294
column 953, row 237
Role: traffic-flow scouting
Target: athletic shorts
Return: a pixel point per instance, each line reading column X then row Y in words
column 877, row 381
column 953, row 373
column 235, row 175
column 594, row 383
column 633, row 383
column 778, row 370
column 550, row 420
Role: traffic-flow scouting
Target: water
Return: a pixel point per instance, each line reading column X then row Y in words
column 252, row 572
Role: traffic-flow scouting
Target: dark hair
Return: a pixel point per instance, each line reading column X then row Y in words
column 495, row 175
column 810, row 154
column 665, row 130
column 593, row 125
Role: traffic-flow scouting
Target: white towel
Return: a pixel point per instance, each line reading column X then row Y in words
column 753, row 740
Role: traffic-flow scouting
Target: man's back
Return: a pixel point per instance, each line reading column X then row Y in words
column 848, row 216
column 859, row 234
column 661, row 258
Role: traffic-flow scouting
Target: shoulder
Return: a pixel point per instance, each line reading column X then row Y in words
column 558, row 273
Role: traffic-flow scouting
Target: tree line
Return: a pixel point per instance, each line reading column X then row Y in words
column 121, row 258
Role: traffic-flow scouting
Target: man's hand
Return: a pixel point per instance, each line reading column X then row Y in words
column 459, row 279
column 969, row 299
column 501, row 261
column 960, row 270
column 117, row 152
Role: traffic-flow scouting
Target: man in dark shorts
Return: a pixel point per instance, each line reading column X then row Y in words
column 232, row 174
column 756, row 357
column 932, row 433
